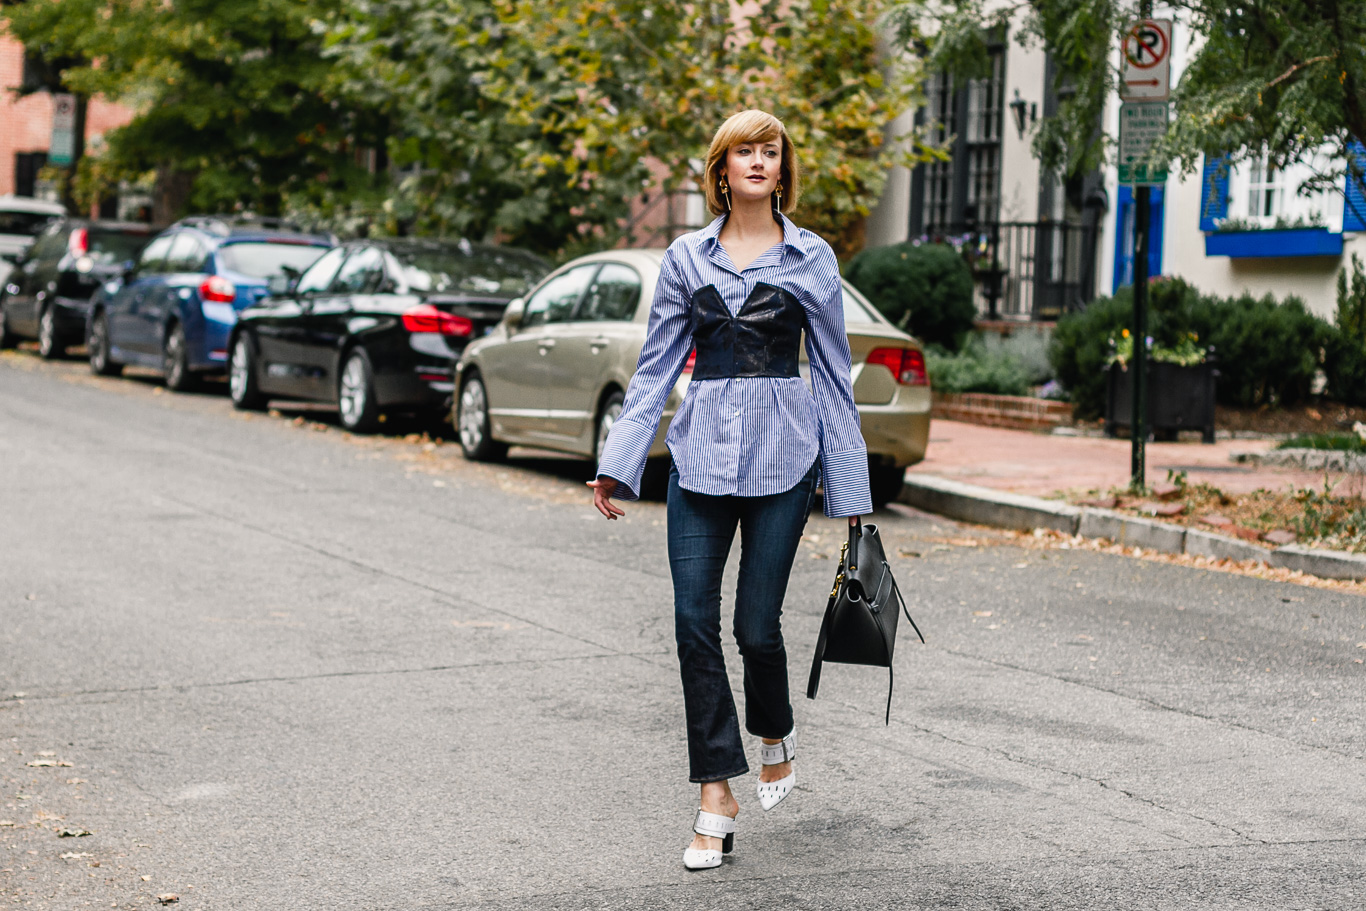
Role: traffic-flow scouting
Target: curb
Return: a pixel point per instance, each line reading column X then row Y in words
column 985, row 506
column 1305, row 459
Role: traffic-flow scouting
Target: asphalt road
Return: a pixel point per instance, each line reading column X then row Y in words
column 290, row 668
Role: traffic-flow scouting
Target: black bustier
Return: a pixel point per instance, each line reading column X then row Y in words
column 763, row 339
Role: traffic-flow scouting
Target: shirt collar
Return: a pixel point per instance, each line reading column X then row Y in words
column 793, row 238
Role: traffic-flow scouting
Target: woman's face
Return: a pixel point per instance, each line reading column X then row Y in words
column 752, row 169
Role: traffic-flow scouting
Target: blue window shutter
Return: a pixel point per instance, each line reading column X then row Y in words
column 1354, row 203
column 1214, row 193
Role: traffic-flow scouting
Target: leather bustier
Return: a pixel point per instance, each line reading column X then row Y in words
column 762, row 339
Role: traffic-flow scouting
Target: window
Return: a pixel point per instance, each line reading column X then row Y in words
column 187, row 254
column 319, row 275
column 613, row 295
column 263, row 260
column 555, row 301
column 362, row 274
column 1264, row 190
column 968, row 118
column 153, row 258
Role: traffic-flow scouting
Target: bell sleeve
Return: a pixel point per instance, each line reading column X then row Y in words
column 843, row 453
column 662, row 358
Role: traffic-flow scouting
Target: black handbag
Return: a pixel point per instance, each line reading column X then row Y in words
column 860, row 620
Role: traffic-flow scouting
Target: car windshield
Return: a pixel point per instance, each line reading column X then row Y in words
column 855, row 311
column 480, row 271
column 109, row 248
column 263, row 259
column 25, row 223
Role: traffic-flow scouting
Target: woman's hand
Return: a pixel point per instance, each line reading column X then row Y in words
column 854, row 520
column 602, row 496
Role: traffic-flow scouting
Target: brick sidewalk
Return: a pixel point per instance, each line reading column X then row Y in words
column 1041, row 464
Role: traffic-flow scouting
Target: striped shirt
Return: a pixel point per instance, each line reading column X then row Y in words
column 746, row 436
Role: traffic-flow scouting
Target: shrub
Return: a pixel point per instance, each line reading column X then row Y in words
column 925, row 289
column 977, row 368
column 1267, row 352
column 1345, row 364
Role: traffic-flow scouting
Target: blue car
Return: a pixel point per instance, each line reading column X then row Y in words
column 177, row 304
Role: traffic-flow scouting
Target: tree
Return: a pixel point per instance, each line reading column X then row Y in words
column 1281, row 78
column 534, row 119
column 232, row 96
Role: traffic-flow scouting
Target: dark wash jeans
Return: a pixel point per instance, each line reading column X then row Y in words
column 701, row 529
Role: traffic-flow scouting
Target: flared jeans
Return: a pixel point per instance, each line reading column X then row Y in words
column 701, row 530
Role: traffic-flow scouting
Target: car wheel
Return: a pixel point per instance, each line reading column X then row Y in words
column 49, row 346
column 885, row 483
column 472, row 421
column 100, row 362
column 243, row 389
column 7, row 338
column 356, row 394
column 175, row 361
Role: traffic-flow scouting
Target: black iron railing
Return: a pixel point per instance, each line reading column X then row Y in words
column 1028, row 270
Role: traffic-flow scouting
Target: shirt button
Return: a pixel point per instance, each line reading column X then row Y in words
column 737, row 413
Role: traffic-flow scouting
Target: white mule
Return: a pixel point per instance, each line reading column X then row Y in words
column 713, row 825
column 771, row 793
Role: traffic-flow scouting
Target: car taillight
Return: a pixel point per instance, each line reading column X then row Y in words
column 426, row 318
column 906, row 364
column 692, row 362
column 78, row 244
column 217, row 288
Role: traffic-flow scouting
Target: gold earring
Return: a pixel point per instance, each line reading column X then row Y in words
column 725, row 190
column 779, row 191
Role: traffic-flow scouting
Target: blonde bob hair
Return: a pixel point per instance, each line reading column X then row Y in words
column 749, row 126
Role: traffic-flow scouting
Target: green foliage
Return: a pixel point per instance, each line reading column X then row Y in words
column 978, row 368
column 925, row 289
column 1346, row 365
column 1267, row 352
column 1281, row 77
column 1337, row 442
column 537, row 120
column 1334, row 522
column 235, row 96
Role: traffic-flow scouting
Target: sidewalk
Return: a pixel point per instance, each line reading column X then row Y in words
column 1041, row 464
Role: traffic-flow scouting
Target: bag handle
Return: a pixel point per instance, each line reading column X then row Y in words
column 855, row 532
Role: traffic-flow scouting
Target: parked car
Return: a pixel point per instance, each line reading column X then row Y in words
column 21, row 220
column 47, row 296
column 173, row 309
column 376, row 326
column 553, row 374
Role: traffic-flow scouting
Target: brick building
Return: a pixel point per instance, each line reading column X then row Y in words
column 26, row 127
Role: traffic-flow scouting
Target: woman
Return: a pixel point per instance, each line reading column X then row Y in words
column 749, row 444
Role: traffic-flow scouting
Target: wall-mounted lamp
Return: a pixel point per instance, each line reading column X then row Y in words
column 1020, row 109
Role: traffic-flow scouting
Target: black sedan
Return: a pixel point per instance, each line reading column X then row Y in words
column 47, row 296
column 375, row 326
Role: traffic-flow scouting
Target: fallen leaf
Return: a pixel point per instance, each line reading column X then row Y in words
column 7, row 823
column 907, row 553
column 47, row 763
column 147, row 879
column 167, row 898
column 1247, row 534
column 981, row 613
column 72, row 855
column 72, row 833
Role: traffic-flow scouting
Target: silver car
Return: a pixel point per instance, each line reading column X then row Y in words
column 553, row 373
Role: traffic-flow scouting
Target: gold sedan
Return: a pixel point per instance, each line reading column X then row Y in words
column 553, row 373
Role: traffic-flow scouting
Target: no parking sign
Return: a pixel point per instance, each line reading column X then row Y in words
column 1146, row 61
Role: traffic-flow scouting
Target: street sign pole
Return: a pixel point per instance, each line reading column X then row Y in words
column 1145, row 77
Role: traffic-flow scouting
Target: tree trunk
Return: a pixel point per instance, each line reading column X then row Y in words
column 171, row 195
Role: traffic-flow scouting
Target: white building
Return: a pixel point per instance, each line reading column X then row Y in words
column 1062, row 243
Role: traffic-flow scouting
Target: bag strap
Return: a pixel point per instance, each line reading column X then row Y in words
column 814, row 681
column 904, row 609
column 855, row 532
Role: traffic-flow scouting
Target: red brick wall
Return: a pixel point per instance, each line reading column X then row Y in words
column 26, row 123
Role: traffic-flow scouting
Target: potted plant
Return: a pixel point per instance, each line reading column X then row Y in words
column 1181, row 383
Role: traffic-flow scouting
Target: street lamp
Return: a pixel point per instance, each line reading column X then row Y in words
column 1019, row 108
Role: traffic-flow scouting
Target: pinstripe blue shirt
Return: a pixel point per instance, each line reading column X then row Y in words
column 746, row 436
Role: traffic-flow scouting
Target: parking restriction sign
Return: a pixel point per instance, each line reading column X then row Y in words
column 1141, row 125
column 1146, row 61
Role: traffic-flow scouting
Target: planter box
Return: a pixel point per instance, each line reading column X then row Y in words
column 1267, row 244
column 1179, row 398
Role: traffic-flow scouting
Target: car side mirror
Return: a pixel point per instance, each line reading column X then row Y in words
column 512, row 316
column 12, row 257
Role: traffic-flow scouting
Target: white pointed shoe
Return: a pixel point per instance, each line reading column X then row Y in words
column 771, row 793
column 714, row 825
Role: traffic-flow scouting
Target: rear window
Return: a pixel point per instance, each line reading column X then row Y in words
column 261, row 259
column 25, row 223
column 505, row 274
column 109, row 248
column 855, row 311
